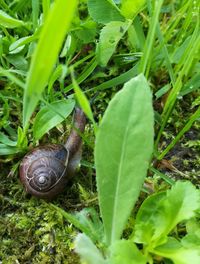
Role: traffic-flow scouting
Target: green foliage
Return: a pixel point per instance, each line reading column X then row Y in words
column 20, row 43
column 119, row 182
column 108, row 41
column 160, row 39
column 125, row 251
column 179, row 253
column 160, row 213
column 129, row 8
column 104, row 11
column 145, row 60
column 51, row 115
column 6, row 140
column 8, row 150
column 87, row 250
column 129, row 146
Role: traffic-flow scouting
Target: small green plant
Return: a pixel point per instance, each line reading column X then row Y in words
column 124, row 145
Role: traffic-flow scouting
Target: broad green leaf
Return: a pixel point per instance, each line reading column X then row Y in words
column 192, row 239
column 126, row 252
column 46, row 53
column 87, row 31
column 178, row 253
column 108, row 41
column 124, row 145
column 182, row 200
column 8, row 21
column 130, row 8
column 193, row 226
column 160, row 213
column 147, row 221
column 50, row 116
column 104, row 11
column 88, row 252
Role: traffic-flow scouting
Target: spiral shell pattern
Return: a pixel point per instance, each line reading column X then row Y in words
column 44, row 173
column 44, row 168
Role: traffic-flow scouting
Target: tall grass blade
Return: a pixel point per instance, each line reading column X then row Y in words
column 187, row 126
column 46, row 53
column 150, row 37
column 189, row 55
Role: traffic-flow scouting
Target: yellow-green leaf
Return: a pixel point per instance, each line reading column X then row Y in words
column 131, row 8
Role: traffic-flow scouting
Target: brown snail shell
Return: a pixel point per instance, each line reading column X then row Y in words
column 45, row 170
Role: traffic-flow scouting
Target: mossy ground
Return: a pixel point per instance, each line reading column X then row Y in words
column 31, row 231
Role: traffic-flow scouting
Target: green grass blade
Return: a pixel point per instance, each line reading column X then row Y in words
column 192, row 85
column 124, row 77
column 8, row 150
column 11, row 77
column 45, row 8
column 187, row 126
column 6, row 140
column 8, row 21
column 165, row 54
column 35, row 12
column 84, row 75
column 163, row 176
column 46, row 53
column 190, row 55
column 150, row 37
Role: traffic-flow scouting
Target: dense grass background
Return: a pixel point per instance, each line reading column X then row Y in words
column 158, row 38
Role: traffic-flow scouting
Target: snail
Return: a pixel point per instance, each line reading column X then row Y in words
column 45, row 170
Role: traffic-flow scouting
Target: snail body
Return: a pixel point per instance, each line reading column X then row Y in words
column 45, row 170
